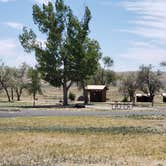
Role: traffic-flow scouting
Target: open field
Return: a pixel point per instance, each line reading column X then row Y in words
column 81, row 140
column 51, row 97
column 133, row 140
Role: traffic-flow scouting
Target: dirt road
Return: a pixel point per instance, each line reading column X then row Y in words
column 31, row 113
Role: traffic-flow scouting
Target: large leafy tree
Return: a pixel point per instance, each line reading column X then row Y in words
column 149, row 81
column 58, row 59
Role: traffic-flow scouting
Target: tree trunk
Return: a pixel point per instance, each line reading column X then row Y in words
column 18, row 97
column 12, row 94
column 18, row 93
column 85, row 94
column 133, row 100
column 7, row 94
column 65, row 94
column 102, row 77
column 152, row 98
column 34, row 98
column 6, row 90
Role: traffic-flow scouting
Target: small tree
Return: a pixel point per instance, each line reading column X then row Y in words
column 149, row 81
column 103, row 77
column 20, row 79
column 107, row 62
column 34, row 85
column 129, row 86
column 6, row 80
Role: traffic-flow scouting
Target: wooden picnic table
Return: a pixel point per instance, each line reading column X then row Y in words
column 121, row 105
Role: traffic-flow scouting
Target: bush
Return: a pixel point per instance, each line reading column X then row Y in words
column 125, row 99
column 72, row 96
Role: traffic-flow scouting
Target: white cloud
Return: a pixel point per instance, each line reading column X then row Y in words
column 106, row 3
column 150, row 18
column 7, row 47
column 6, row 0
column 142, row 53
column 11, row 53
column 145, row 55
column 148, row 23
column 42, row 1
column 14, row 25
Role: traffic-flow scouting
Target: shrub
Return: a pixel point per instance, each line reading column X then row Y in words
column 72, row 96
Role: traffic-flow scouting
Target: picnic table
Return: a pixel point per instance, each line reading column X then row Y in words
column 116, row 105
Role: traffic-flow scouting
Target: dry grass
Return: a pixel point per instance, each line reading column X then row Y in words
column 52, row 96
column 83, row 141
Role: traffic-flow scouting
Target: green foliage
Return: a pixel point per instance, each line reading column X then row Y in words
column 125, row 99
column 20, row 79
column 107, row 61
column 28, row 39
column 34, row 85
column 13, row 80
column 6, row 79
column 149, row 81
column 128, row 86
column 72, row 96
column 60, row 61
column 88, row 64
column 103, row 77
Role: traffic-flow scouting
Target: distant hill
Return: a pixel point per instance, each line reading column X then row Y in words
column 123, row 74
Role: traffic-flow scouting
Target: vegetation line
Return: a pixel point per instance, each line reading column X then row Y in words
column 108, row 130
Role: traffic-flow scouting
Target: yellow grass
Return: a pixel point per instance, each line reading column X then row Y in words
column 83, row 141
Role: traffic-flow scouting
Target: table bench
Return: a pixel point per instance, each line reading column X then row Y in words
column 121, row 105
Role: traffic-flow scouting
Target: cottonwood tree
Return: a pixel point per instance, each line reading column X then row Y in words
column 149, row 81
column 57, row 61
column 128, row 86
column 34, row 85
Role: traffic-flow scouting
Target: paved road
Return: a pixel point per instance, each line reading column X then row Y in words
column 31, row 113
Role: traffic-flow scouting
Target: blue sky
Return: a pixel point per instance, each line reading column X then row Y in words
column 132, row 32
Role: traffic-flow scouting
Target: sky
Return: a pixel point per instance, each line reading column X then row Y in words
column 131, row 32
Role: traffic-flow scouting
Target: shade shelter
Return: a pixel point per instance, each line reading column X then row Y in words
column 98, row 93
column 143, row 98
column 164, row 97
